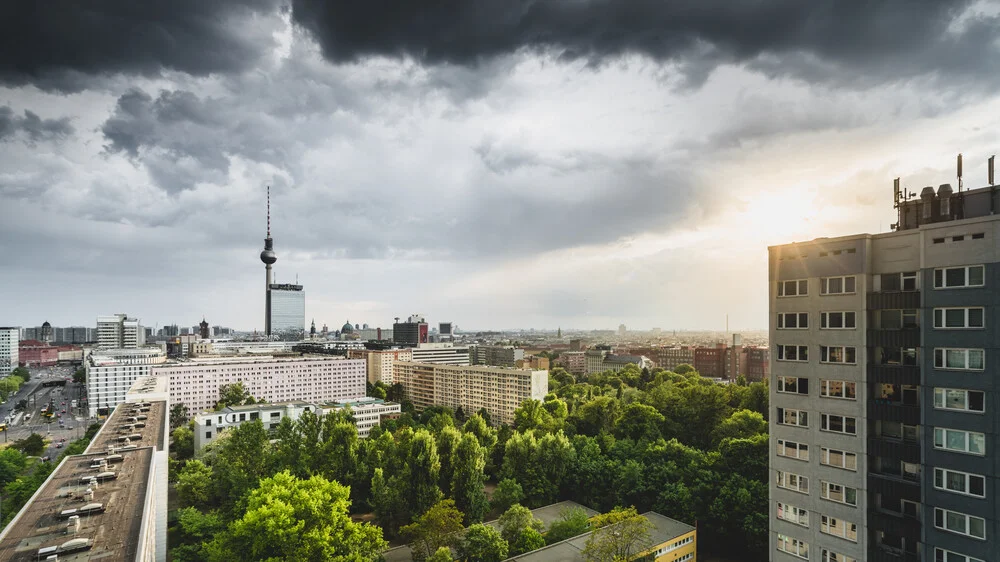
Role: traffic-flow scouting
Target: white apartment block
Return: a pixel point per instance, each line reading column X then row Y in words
column 118, row 331
column 111, row 372
column 367, row 413
column 195, row 382
column 9, row 338
column 380, row 362
column 444, row 353
column 499, row 390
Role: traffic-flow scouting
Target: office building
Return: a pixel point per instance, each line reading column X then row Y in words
column 9, row 355
column 573, row 361
column 367, row 413
column 380, row 361
column 672, row 357
column 499, row 390
column 883, row 429
column 112, row 372
column 711, row 361
column 443, row 353
column 73, row 334
column 118, row 331
column 496, row 355
column 534, row 362
column 594, row 358
column 411, row 333
column 288, row 310
column 195, row 382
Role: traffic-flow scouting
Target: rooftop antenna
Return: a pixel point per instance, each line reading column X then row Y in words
column 989, row 169
column 268, row 211
column 960, row 172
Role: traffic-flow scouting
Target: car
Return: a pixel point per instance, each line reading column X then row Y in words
column 59, row 445
column 45, row 459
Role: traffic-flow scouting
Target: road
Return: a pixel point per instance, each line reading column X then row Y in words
column 39, row 397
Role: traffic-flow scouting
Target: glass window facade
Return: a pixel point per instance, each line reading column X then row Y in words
column 288, row 311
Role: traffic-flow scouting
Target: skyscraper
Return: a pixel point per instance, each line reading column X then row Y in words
column 268, row 257
column 883, row 434
column 287, row 307
column 118, row 331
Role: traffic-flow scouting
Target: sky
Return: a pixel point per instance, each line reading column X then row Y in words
column 497, row 164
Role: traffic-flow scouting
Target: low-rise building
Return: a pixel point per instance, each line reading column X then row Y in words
column 534, row 362
column 34, row 353
column 497, row 389
column 573, row 361
column 758, row 363
column 594, row 359
column 711, row 361
column 616, row 363
column 672, row 357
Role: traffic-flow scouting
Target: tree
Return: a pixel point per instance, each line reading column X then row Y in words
column 447, row 442
column 468, row 485
column 239, row 459
column 741, row 424
column 290, row 519
column 639, row 421
column 515, row 521
column 529, row 539
column 532, row 415
column 485, row 414
column 438, row 527
column 482, row 543
column 21, row 372
column 625, row 535
column 193, row 529
column 194, row 483
column 571, row 523
column 423, row 466
column 443, row 554
column 684, row 369
column 507, row 493
column 32, row 445
column 12, row 463
column 178, row 415
column 183, row 445
column 80, row 375
column 233, row 395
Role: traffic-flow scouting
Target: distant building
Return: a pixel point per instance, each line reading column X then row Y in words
column 411, row 333
column 758, row 363
column 9, row 352
column 111, row 372
column 33, row 353
column 47, row 335
column 380, row 361
column 499, row 390
column 622, row 330
column 573, row 361
column 534, row 362
column 119, row 332
column 576, row 345
column 497, row 355
column 288, row 310
column 711, row 361
column 616, row 363
column 444, row 353
column 205, row 334
column 594, row 358
column 672, row 357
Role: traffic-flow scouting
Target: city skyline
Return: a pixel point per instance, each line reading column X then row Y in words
column 607, row 174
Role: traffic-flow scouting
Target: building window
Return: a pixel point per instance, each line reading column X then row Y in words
column 960, row 441
column 960, row 482
column 795, row 547
column 838, row 424
column 838, row 528
column 837, row 320
column 793, row 352
column 793, row 450
column 838, row 459
column 792, row 385
column 960, row 359
column 208, row 422
column 960, row 523
column 791, row 416
column 793, row 482
column 956, row 318
column 796, row 288
column 838, row 389
column 909, row 279
column 942, row 555
column 793, row 320
column 838, row 354
column 830, row 556
column 959, row 399
column 958, row 277
column 208, row 435
column 793, row 514
column 837, row 285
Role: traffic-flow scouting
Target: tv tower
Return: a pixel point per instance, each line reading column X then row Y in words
column 268, row 257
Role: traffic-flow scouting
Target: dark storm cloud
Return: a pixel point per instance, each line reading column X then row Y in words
column 887, row 40
column 57, row 44
column 32, row 126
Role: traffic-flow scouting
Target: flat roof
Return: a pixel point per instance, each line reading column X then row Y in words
column 154, row 434
column 203, row 360
column 115, row 532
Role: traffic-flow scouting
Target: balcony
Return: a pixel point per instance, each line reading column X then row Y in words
column 894, row 374
column 908, row 337
column 893, row 411
column 894, row 299
column 884, row 553
column 908, row 451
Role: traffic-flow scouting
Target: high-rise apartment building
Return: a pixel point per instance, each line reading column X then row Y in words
column 442, row 353
column 119, row 332
column 380, row 362
column 9, row 355
column 883, row 409
column 111, row 373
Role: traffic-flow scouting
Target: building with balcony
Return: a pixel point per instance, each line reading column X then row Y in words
column 380, row 361
column 496, row 355
column 884, row 427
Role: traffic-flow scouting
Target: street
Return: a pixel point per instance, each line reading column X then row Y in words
column 20, row 425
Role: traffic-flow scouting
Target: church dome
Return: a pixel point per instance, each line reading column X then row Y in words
column 347, row 328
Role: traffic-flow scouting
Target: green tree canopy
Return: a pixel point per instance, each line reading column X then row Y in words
column 741, row 424
column 194, row 483
column 515, row 521
column 32, row 445
column 507, row 493
column 572, row 522
column 468, row 484
column 183, row 443
column 482, row 543
column 233, row 395
column 438, row 527
column 442, row 554
column 618, row 536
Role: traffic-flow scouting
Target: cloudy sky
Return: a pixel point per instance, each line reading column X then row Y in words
column 496, row 163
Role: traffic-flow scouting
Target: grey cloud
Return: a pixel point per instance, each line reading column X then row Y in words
column 32, row 126
column 881, row 41
column 58, row 44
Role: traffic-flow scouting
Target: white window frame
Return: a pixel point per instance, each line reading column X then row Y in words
column 801, row 450
column 780, row 384
column 824, row 354
column 798, row 284
column 942, row 555
column 826, row 493
column 942, row 314
column 909, row 275
column 830, row 556
column 942, row 355
column 829, row 525
column 824, row 285
column 825, row 423
column 826, row 453
column 825, row 317
column 968, row 440
column 966, row 479
column 798, row 316
column 801, row 417
column 799, row 349
column 825, row 385
column 793, row 546
column 792, row 514
column 941, row 277
column 968, row 525
column 783, row 481
column 941, row 401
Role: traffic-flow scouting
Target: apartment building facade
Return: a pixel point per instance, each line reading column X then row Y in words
column 884, row 427
column 496, row 355
column 112, row 372
column 380, row 362
column 499, row 390
column 118, row 331
column 9, row 353
column 442, row 353
column 573, row 361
